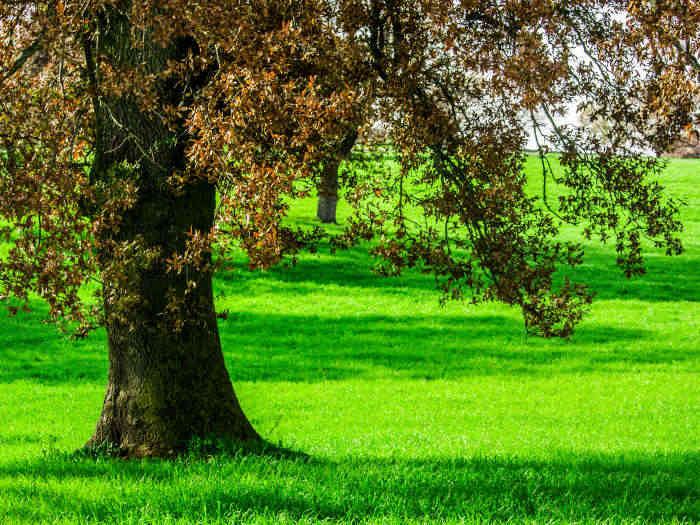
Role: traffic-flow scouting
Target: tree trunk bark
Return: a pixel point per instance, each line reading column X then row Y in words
column 165, row 390
column 328, row 184
column 166, row 387
column 328, row 192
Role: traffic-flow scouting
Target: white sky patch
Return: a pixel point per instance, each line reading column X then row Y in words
column 570, row 118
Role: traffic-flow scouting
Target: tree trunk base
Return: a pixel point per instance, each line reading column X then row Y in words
column 136, row 425
column 167, row 388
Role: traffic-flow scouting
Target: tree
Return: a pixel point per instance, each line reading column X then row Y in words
column 328, row 183
column 158, row 134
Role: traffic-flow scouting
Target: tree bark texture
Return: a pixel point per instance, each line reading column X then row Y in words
column 165, row 387
column 328, row 192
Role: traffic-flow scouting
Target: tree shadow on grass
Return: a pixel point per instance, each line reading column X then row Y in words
column 278, row 347
column 41, row 354
column 347, row 269
column 19, row 439
column 572, row 487
column 309, row 349
column 267, row 347
column 668, row 279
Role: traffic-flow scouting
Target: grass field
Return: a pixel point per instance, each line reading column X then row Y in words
column 409, row 412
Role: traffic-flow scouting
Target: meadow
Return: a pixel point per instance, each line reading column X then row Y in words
column 393, row 409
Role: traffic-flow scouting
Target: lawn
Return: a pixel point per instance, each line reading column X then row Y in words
column 401, row 411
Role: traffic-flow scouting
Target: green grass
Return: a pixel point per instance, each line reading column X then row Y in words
column 409, row 412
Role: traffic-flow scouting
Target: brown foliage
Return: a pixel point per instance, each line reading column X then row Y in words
column 137, row 101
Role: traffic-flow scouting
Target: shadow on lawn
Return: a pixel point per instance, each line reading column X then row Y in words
column 669, row 279
column 32, row 351
column 345, row 269
column 306, row 348
column 279, row 347
column 573, row 487
column 272, row 347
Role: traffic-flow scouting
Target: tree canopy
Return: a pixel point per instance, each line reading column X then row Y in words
column 104, row 103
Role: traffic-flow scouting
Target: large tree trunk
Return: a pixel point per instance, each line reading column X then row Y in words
column 166, row 386
column 168, row 383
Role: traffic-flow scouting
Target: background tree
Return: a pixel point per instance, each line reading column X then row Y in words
column 113, row 156
column 329, row 182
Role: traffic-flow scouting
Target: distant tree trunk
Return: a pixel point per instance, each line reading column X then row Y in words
column 328, row 184
column 328, row 192
column 168, row 383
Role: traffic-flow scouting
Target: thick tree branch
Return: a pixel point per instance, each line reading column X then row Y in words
column 28, row 53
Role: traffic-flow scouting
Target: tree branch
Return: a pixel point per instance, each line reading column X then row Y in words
column 692, row 59
column 28, row 53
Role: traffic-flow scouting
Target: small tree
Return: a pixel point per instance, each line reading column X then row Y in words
column 112, row 157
